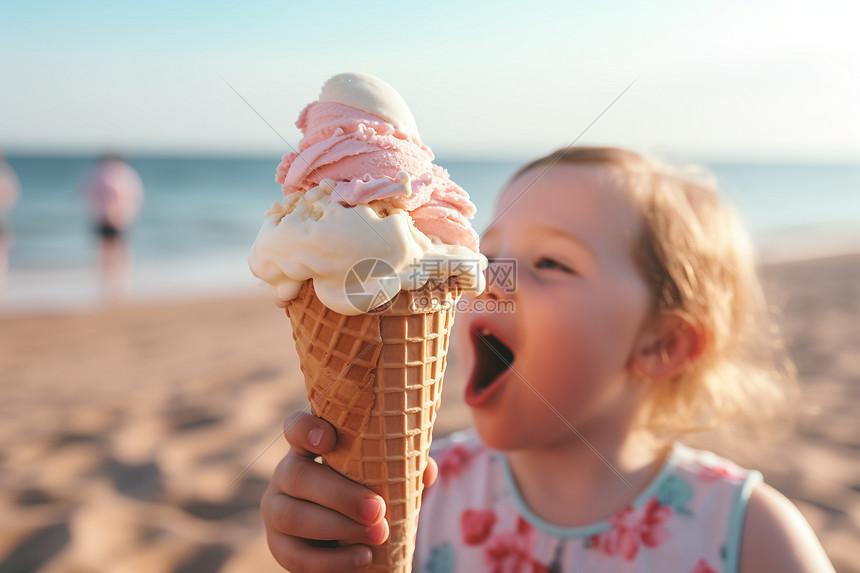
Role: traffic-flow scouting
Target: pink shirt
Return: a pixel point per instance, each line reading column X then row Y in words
column 115, row 192
column 688, row 520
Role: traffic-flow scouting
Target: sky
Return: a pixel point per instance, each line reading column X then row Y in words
column 755, row 80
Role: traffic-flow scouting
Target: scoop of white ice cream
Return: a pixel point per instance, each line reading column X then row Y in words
column 308, row 236
column 372, row 95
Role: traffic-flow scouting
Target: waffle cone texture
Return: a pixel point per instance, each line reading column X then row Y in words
column 377, row 378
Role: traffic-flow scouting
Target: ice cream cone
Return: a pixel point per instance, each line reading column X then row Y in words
column 377, row 378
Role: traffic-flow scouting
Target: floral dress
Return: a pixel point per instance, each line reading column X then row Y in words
column 688, row 520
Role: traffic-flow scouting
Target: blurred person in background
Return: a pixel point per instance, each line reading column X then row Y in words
column 114, row 193
column 10, row 191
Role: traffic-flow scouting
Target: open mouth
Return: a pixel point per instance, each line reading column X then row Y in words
column 492, row 359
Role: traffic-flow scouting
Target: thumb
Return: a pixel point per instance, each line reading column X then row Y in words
column 308, row 435
column 431, row 472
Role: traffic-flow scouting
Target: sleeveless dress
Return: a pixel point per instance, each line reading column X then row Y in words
column 688, row 520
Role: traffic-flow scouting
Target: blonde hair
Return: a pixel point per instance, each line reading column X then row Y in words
column 698, row 261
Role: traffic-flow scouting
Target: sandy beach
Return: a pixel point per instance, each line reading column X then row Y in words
column 140, row 438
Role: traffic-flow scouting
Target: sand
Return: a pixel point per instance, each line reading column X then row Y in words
column 140, row 438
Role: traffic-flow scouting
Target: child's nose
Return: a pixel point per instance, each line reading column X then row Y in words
column 501, row 278
column 496, row 291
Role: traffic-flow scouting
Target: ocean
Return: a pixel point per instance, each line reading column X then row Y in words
column 200, row 216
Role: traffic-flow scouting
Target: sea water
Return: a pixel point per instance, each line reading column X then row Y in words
column 201, row 215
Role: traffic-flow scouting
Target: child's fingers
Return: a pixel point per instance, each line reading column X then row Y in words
column 308, row 520
column 304, row 479
column 431, row 472
column 308, row 435
column 299, row 557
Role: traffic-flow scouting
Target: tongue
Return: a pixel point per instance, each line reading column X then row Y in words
column 493, row 359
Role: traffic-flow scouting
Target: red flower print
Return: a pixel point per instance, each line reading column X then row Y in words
column 716, row 473
column 452, row 464
column 653, row 532
column 523, row 526
column 511, row 551
column 630, row 528
column 703, row 567
column 477, row 525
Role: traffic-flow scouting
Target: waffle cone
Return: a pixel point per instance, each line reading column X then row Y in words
column 377, row 378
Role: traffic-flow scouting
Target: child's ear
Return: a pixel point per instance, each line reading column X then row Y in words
column 666, row 347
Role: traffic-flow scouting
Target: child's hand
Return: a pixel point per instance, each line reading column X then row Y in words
column 307, row 502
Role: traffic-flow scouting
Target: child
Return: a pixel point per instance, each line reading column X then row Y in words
column 114, row 192
column 634, row 323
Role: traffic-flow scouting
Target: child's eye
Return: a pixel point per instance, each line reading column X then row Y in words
column 549, row 263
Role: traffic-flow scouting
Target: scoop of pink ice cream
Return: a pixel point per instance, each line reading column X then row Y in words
column 367, row 157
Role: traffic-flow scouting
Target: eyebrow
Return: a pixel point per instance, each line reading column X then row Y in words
column 555, row 232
